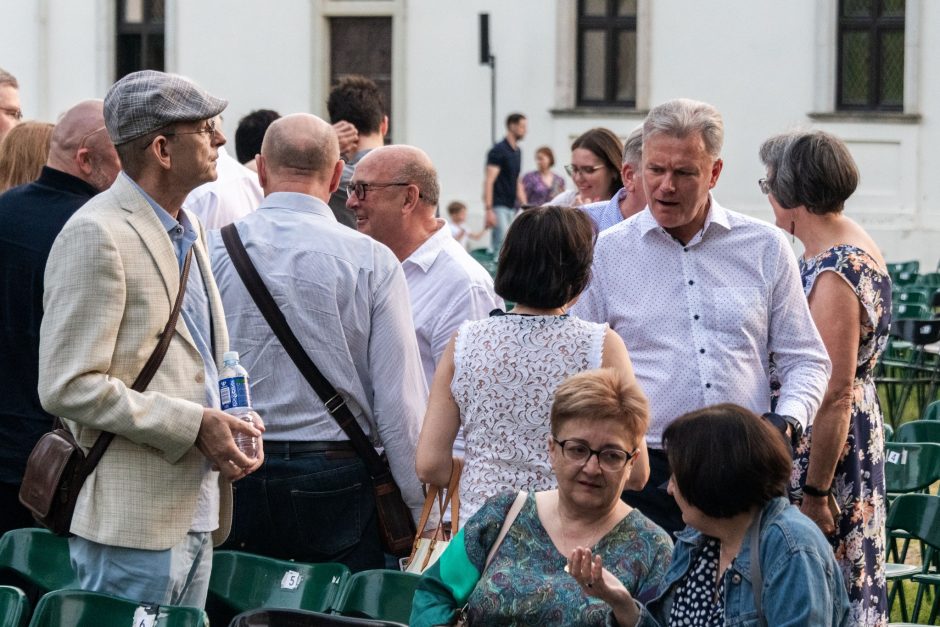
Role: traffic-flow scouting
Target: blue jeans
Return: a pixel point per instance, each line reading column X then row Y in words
column 310, row 507
column 504, row 217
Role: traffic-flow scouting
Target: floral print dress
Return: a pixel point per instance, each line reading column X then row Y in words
column 859, row 482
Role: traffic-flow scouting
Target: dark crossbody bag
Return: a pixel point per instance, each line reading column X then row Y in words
column 57, row 467
column 396, row 526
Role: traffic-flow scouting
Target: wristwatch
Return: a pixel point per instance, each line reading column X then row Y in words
column 781, row 422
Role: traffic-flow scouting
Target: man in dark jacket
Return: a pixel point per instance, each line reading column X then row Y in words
column 82, row 162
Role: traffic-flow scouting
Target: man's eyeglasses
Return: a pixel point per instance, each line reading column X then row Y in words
column 81, row 143
column 359, row 189
column 209, row 129
column 609, row 459
column 16, row 114
column 764, row 185
column 575, row 170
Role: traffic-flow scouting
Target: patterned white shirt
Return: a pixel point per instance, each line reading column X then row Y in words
column 701, row 320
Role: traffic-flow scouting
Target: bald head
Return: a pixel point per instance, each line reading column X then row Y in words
column 81, row 146
column 300, row 146
column 410, row 165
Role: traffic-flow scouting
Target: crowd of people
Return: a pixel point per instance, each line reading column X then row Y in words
column 664, row 416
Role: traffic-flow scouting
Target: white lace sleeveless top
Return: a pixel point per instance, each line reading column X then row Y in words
column 507, row 369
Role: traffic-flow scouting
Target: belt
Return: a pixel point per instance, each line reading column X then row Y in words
column 286, row 447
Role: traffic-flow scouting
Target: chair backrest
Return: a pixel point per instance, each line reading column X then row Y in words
column 929, row 279
column 889, row 432
column 244, row 581
column 379, row 594
column 303, row 618
column 919, row 331
column 14, row 608
column 904, row 266
column 80, row 608
column 911, row 297
column 905, row 311
column 918, row 431
column 931, row 411
column 39, row 557
column 911, row 467
column 919, row 515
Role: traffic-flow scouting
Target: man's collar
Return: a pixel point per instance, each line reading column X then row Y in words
column 425, row 255
column 296, row 201
column 717, row 215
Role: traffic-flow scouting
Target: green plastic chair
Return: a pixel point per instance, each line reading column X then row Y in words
column 904, row 278
column 929, row 279
column 911, row 467
column 919, row 514
column 80, row 608
column 378, row 594
column 918, row 431
column 931, row 411
column 14, row 608
column 911, row 297
column 903, row 266
column 904, row 311
column 36, row 558
column 889, row 432
column 244, row 581
column 303, row 618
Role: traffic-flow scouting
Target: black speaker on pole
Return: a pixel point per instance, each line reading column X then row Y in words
column 484, row 38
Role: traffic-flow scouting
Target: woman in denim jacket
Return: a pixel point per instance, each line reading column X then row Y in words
column 730, row 472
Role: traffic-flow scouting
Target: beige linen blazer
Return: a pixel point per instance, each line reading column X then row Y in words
column 111, row 280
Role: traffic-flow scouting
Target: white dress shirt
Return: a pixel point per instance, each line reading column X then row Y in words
column 233, row 195
column 701, row 320
column 345, row 298
column 447, row 287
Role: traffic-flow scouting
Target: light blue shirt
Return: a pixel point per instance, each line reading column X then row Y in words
column 606, row 213
column 345, row 298
column 195, row 310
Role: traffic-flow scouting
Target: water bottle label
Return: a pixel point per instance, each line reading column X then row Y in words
column 233, row 392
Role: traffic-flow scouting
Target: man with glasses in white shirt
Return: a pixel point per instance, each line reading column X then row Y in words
column 394, row 196
column 702, row 296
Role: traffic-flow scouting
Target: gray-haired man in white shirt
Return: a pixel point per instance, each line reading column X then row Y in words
column 702, row 296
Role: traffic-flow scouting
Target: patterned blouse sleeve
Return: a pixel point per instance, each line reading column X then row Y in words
column 446, row 586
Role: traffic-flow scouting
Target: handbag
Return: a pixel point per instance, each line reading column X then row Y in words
column 57, row 467
column 429, row 547
column 396, row 526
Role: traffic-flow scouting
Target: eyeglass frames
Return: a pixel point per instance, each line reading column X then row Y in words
column 609, row 459
column 359, row 189
column 16, row 114
column 81, row 143
column 209, row 129
column 575, row 170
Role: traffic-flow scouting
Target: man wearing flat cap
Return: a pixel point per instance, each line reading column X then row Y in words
column 160, row 497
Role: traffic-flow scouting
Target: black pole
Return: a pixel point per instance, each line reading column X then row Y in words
column 488, row 59
column 493, row 97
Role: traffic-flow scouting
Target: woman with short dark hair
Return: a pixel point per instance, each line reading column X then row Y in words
column 810, row 175
column 747, row 556
column 541, row 185
column 498, row 376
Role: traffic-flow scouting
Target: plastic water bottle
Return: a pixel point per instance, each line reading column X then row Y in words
column 236, row 399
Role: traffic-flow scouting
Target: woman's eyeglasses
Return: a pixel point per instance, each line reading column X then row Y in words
column 609, row 459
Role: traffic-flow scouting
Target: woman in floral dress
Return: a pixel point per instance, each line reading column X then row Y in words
column 841, row 456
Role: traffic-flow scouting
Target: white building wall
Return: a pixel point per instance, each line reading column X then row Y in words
column 767, row 65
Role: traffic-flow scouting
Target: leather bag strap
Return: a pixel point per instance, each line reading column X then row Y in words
column 150, row 368
column 334, row 402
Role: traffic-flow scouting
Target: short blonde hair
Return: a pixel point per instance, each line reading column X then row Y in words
column 602, row 395
column 23, row 152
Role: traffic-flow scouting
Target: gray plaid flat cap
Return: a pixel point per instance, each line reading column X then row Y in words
column 143, row 102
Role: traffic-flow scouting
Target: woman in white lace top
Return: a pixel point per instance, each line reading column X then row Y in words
column 497, row 377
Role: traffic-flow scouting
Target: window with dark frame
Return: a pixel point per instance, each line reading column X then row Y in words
column 606, row 53
column 870, row 74
column 141, row 30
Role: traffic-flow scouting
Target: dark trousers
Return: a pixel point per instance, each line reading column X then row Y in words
column 653, row 500
column 12, row 514
column 310, row 507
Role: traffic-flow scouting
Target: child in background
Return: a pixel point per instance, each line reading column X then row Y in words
column 457, row 212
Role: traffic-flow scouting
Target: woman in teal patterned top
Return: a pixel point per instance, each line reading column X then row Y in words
column 598, row 421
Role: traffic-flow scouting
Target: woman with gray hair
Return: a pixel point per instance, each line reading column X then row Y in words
column 839, row 464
